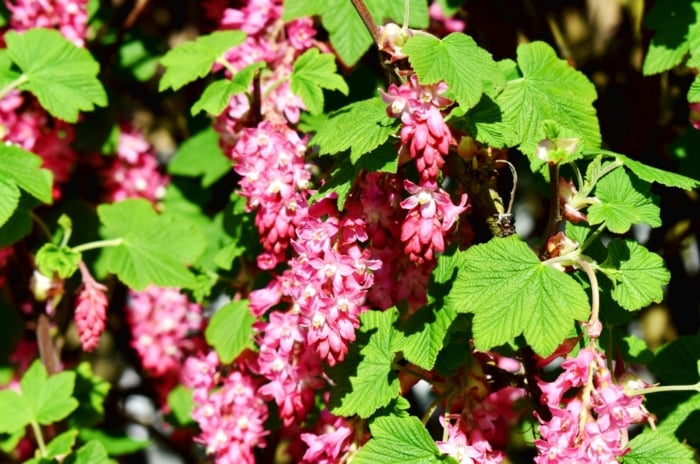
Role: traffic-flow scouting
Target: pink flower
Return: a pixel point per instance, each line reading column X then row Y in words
column 90, row 313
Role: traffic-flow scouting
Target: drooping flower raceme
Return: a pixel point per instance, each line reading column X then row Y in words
column 91, row 311
column 590, row 413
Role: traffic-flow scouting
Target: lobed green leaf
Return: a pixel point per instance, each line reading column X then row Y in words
column 192, row 60
column 458, row 61
column 230, row 330
column 154, row 248
column 509, row 291
column 653, row 447
column 60, row 74
column 201, row 155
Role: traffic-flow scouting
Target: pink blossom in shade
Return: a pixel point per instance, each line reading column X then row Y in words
column 330, row 444
column 91, row 311
column 301, row 33
column 231, row 419
column 694, row 115
column 26, row 124
column 441, row 24
column 5, row 254
column 431, row 214
column 68, row 16
column 200, row 374
column 465, row 450
column 162, row 321
column 135, row 172
column 275, row 181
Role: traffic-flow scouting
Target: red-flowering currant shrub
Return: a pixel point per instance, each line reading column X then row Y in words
column 349, row 231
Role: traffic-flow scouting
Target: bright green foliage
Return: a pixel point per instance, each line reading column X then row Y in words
column 62, row 444
column 60, row 74
column 359, row 127
column 399, row 441
column 20, row 169
column 90, row 391
column 201, row 155
column 383, row 159
column 638, row 275
column 135, row 58
column 218, row 94
column 314, row 71
column 652, row 174
column 348, row 34
column 92, row 453
column 42, row 399
column 694, row 90
column 652, row 447
column 192, row 60
column 677, row 33
column 60, row 260
column 181, row 403
column 425, row 333
column 679, row 415
column 293, row 9
column 509, row 291
column 115, row 444
column 154, row 248
column 365, row 380
column 624, row 201
column 458, row 61
column 549, row 89
column 230, row 330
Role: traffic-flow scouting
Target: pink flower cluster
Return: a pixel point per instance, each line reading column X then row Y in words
column 275, row 43
column 91, row 311
column 479, row 422
column 135, row 171
column 590, row 414
column 68, row 16
column 230, row 412
column 162, row 323
column 26, row 124
column 275, row 180
column 424, row 135
column 334, row 440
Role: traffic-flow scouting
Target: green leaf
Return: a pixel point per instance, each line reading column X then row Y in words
column 218, row 94
column 652, row 174
column 694, row 90
column 14, row 412
column 60, row 74
column 62, row 444
column 458, row 61
column 294, row 9
column 115, row 443
column 651, row 447
column 624, row 201
column 366, row 381
column 93, row 452
column 90, row 391
column 314, row 71
column 348, row 34
column 425, row 333
column 680, row 413
column 399, row 441
column 485, row 123
column 181, row 404
column 60, row 260
column 677, row 31
column 549, row 89
column 201, row 155
column 230, row 330
column 509, row 291
column 21, row 169
column 154, row 248
column 48, row 399
column 360, row 127
column 192, row 60
column 10, row 194
column 135, row 57
column 638, row 275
